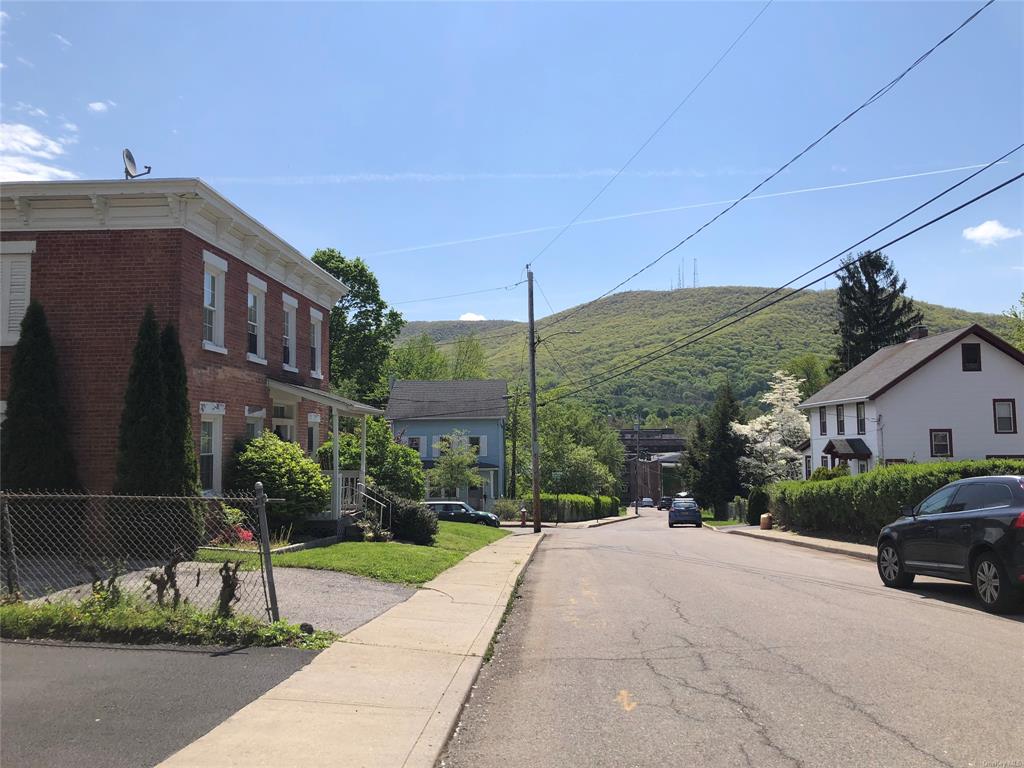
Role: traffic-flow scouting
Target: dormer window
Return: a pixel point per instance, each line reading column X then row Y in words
column 970, row 355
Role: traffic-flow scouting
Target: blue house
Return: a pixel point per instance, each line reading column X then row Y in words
column 423, row 413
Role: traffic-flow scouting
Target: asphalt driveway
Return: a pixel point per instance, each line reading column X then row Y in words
column 123, row 706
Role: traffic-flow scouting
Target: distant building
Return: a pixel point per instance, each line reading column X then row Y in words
column 661, row 452
column 955, row 395
column 422, row 413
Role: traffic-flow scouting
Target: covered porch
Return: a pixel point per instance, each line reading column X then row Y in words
column 347, row 486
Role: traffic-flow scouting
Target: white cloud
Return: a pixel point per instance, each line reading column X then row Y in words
column 61, row 39
column 472, row 317
column 70, row 127
column 101, row 106
column 24, row 152
column 21, row 106
column 25, row 61
column 990, row 232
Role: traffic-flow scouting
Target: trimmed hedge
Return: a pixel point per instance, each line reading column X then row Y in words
column 863, row 504
column 562, row 507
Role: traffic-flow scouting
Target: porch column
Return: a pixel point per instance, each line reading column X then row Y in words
column 362, row 456
column 335, row 472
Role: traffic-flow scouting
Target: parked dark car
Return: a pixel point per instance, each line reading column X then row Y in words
column 461, row 512
column 665, row 502
column 970, row 531
column 684, row 511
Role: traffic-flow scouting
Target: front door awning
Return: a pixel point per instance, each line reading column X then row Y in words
column 853, row 448
column 343, row 405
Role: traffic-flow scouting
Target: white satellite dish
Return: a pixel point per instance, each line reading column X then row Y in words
column 130, row 171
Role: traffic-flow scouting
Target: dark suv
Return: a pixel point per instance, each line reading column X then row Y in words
column 971, row 531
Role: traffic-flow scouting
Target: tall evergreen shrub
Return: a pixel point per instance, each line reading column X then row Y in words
column 182, row 469
column 142, row 437
column 34, row 450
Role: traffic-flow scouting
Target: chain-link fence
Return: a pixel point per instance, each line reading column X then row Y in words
column 162, row 550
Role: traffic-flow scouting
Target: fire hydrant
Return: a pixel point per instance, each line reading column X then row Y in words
column 522, row 516
column 766, row 521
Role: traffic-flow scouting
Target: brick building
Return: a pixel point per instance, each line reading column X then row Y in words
column 252, row 312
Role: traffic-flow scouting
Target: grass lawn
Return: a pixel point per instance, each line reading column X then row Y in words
column 388, row 561
column 708, row 518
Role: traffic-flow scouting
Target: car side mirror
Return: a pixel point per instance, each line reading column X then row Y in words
column 908, row 511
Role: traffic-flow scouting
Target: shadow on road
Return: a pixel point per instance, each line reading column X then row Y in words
column 955, row 593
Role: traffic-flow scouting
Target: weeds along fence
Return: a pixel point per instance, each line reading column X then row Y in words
column 166, row 551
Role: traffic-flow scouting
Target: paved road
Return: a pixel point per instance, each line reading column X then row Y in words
column 636, row 645
column 124, row 706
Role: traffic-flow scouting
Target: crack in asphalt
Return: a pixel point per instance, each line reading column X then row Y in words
column 789, row 666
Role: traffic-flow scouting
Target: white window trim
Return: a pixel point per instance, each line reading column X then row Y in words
column 290, row 305
column 218, row 267
column 257, row 287
column 14, row 252
column 316, row 318
column 214, row 414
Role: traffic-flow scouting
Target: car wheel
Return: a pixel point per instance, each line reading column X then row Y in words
column 700, row 525
column 992, row 584
column 890, row 567
column 671, row 525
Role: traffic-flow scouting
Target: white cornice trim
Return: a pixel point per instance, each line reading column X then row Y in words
column 189, row 204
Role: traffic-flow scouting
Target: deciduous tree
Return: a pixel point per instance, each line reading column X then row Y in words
column 456, row 464
column 1016, row 315
column 771, row 440
column 362, row 327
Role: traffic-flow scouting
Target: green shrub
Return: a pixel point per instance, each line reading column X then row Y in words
column 286, row 473
column 413, row 521
column 757, row 505
column 824, row 473
column 863, row 504
column 507, row 509
column 566, row 507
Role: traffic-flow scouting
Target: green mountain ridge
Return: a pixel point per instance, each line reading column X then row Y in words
column 617, row 329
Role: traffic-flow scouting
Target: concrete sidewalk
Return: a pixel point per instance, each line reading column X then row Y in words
column 862, row 551
column 388, row 694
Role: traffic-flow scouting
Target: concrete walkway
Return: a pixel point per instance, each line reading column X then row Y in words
column 390, row 693
column 862, row 551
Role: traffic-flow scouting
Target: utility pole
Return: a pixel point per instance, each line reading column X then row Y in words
column 534, row 443
column 636, row 469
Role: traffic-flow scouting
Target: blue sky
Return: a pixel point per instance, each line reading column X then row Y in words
column 381, row 129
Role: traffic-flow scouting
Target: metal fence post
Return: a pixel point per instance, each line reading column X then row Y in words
column 268, row 568
column 9, row 553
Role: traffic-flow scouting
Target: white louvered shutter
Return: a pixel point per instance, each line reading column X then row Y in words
column 16, row 273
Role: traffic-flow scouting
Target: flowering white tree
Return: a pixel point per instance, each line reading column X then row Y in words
column 771, row 440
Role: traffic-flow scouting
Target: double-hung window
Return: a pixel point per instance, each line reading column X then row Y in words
column 941, row 442
column 256, row 313
column 288, row 346
column 284, row 421
column 1004, row 414
column 862, row 422
column 416, row 443
column 215, row 270
column 840, row 420
column 822, row 421
column 316, row 321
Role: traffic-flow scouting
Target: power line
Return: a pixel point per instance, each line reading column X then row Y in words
column 870, row 100
column 795, row 292
column 456, row 295
column 651, row 137
column 894, row 222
